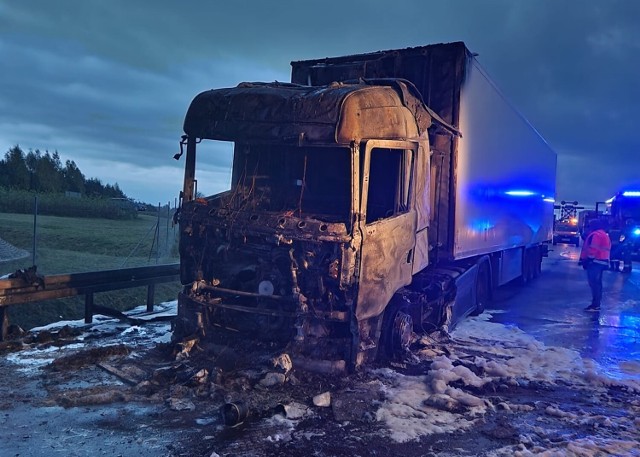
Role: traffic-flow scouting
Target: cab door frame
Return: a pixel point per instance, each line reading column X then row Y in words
column 387, row 244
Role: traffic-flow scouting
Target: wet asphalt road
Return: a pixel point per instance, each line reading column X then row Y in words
column 551, row 308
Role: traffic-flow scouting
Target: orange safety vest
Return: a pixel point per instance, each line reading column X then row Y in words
column 596, row 247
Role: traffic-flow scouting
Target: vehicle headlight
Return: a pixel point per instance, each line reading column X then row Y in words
column 636, row 231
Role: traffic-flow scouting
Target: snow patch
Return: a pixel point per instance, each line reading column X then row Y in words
column 484, row 352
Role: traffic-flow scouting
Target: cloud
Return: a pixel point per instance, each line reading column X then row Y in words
column 111, row 81
column 104, row 114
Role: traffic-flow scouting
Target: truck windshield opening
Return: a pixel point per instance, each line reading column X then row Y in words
column 307, row 181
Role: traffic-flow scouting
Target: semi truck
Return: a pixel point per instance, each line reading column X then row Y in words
column 622, row 214
column 373, row 198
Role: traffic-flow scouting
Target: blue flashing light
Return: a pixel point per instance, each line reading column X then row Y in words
column 519, row 193
column 631, row 193
column 636, row 231
column 482, row 225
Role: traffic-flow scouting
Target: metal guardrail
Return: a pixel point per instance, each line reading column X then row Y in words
column 28, row 287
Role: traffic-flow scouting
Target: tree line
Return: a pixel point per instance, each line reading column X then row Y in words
column 45, row 173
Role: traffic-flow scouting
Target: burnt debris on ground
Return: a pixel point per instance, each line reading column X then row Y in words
column 247, row 398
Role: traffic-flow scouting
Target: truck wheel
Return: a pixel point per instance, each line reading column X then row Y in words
column 397, row 329
column 527, row 274
column 482, row 290
column 530, row 266
column 537, row 263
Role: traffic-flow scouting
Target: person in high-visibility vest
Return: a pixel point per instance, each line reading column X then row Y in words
column 594, row 258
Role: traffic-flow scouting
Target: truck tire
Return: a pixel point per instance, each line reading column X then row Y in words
column 531, row 265
column 397, row 329
column 537, row 263
column 526, row 275
column 482, row 290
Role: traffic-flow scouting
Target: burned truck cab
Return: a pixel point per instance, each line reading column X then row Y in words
column 325, row 219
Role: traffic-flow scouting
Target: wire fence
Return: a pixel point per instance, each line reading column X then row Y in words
column 57, row 244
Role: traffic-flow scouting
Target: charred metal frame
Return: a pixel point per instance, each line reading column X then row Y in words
column 217, row 293
column 360, row 152
column 188, row 191
column 230, row 247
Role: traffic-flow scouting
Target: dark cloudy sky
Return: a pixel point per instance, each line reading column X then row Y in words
column 106, row 83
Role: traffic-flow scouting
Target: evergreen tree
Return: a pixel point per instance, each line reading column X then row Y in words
column 93, row 187
column 113, row 191
column 16, row 173
column 73, row 178
column 48, row 172
column 44, row 173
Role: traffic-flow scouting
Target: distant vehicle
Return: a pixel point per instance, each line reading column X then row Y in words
column 566, row 224
column 566, row 231
column 124, row 203
column 623, row 214
column 123, row 207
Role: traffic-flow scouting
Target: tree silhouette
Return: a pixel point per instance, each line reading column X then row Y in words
column 15, row 172
column 40, row 172
column 73, row 178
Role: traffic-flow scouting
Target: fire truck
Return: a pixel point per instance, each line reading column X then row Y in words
column 622, row 212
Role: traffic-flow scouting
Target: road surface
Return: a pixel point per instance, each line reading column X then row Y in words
column 552, row 309
column 518, row 380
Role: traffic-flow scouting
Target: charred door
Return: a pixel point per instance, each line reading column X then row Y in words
column 388, row 226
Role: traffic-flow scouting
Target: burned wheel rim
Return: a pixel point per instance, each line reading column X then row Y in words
column 401, row 331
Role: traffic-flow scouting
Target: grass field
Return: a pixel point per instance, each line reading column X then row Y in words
column 72, row 245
